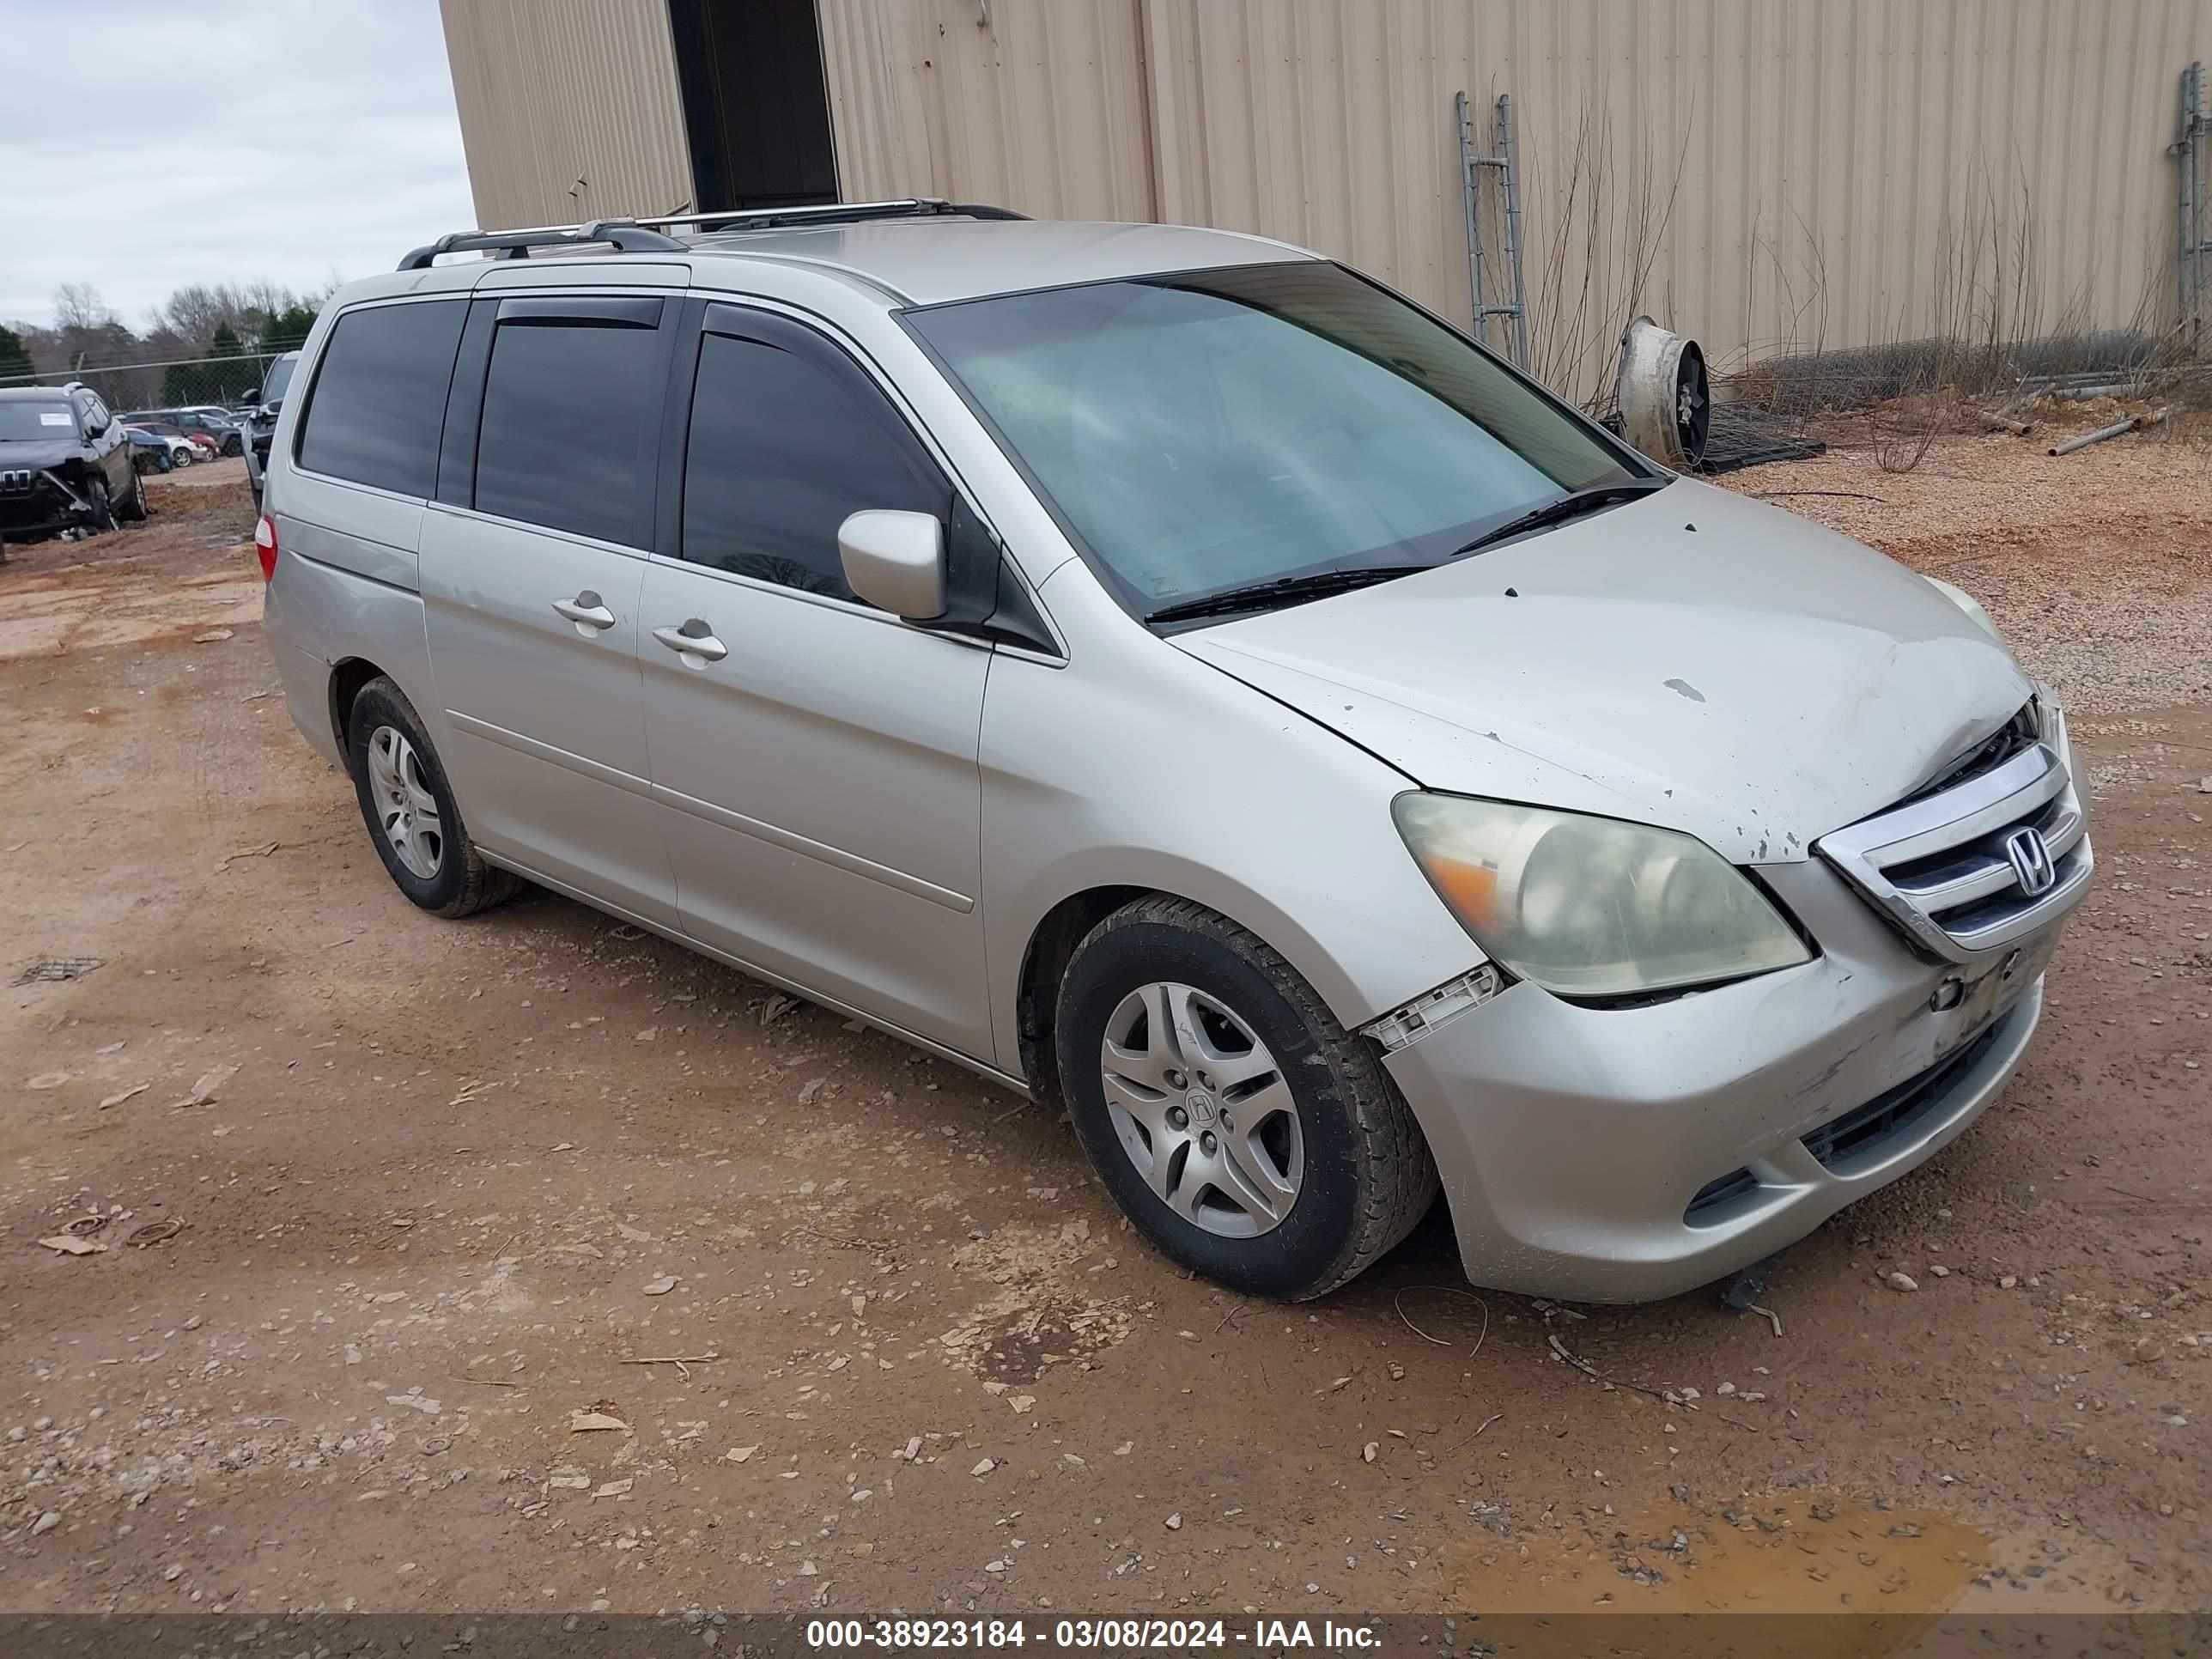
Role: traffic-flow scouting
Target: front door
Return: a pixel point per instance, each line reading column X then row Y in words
column 111, row 444
column 532, row 564
column 814, row 758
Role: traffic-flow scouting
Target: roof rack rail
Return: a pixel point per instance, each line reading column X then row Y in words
column 640, row 236
column 834, row 213
column 624, row 235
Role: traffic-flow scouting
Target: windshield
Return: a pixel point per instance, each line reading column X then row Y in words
column 280, row 376
column 26, row 419
column 1212, row 430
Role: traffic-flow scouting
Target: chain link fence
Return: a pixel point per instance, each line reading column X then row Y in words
column 226, row 381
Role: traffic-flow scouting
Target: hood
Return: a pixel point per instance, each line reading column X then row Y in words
column 39, row 453
column 1692, row 659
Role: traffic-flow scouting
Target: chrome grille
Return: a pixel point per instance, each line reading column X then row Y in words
column 16, row 479
column 1976, row 867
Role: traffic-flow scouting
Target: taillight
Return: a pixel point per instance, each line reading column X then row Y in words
column 264, row 545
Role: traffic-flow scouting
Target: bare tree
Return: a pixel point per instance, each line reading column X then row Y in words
column 77, row 305
column 1595, row 272
column 195, row 311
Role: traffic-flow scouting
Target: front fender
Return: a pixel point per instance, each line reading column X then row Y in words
column 1167, row 775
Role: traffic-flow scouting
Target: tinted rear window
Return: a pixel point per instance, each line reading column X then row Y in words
column 379, row 402
column 566, row 403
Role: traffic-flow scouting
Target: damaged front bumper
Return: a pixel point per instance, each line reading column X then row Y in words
column 1628, row 1154
column 40, row 502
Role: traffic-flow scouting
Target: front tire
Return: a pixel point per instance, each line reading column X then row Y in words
column 410, row 808
column 101, row 514
column 133, row 508
column 1235, row 1120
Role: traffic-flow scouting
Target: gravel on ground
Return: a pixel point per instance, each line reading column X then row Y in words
column 530, row 1263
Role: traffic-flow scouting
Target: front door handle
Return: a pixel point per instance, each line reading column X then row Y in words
column 693, row 639
column 587, row 610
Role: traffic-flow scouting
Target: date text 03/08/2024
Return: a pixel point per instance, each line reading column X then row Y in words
column 1165, row 1635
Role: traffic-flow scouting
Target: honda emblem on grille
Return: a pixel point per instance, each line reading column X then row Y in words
column 2031, row 862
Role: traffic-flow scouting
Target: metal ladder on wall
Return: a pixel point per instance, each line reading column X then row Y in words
column 1472, row 163
column 2193, row 148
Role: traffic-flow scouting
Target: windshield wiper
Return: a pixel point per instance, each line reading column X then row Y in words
column 1260, row 596
column 1570, row 506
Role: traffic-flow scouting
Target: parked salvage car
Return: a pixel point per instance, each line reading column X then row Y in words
column 1175, row 676
column 149, row 451
column 268, row 399
column 64, row 464
column 180, row 450
column 229, row 430
column 212, row 424
column 197, row 445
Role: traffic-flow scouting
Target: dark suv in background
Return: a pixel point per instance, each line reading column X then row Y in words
column 261, row 426
column 64, row 464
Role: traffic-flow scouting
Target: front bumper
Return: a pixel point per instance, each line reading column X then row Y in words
column 43, row 506
column 1574, row 1142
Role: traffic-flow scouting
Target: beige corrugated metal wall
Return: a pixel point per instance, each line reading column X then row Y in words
column 555, row 91
column 1755, row 171
column 1045, row 105
column 1758, row 172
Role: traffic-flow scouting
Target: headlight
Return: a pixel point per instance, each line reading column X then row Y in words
column 1967, row 603
column 1590, row 906
column 2050, row 722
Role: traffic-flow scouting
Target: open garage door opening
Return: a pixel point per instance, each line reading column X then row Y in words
column 756, row 103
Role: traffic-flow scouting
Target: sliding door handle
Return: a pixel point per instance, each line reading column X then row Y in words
column 693, row 639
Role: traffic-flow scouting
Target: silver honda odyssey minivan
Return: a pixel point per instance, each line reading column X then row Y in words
column 1174, row 676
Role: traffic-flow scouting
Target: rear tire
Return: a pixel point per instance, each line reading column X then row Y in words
column 412, row 817
column 1240, row 1126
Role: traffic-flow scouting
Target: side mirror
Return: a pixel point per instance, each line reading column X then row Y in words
column 252, row 396
column 895, row 561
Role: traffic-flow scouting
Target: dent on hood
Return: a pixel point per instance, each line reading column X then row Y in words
column 1755, row 685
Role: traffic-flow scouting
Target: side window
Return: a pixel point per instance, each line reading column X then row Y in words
column 96, row 412
column 781, row 450
column 378, row 402
column 567, row 401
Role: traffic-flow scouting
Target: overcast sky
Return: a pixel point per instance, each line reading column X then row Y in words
column 149, row 144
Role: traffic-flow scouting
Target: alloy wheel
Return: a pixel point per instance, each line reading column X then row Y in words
column 405, row 808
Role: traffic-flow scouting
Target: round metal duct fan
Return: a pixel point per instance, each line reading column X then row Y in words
column 1666, row 402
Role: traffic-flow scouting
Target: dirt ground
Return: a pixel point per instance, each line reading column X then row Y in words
column 869, row 1334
